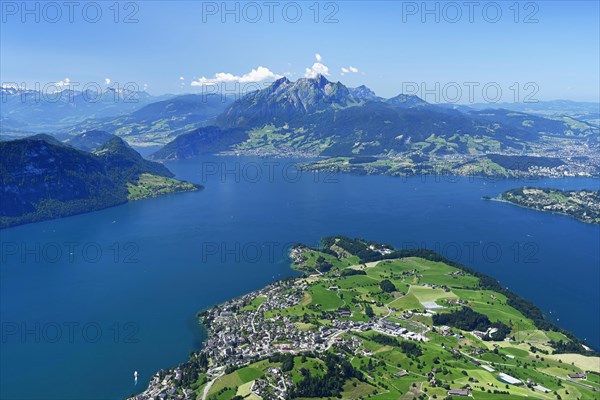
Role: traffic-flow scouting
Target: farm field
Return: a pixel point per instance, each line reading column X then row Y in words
column 405, row 327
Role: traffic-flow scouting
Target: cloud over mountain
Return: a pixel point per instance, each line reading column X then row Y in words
column 256, row 75
column 317, row 68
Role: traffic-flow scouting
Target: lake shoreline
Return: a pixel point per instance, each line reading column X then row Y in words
column 170, row 230
column 161, row 383
column 588, row 201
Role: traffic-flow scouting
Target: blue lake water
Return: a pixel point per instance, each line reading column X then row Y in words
column 85, row 301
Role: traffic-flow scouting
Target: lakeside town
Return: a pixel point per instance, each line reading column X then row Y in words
column 486, row 166
column 238, row 336
column 583, row 205
column 256, row 332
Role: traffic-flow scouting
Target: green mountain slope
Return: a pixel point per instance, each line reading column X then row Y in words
column 42, row 178
column 206, row 140
column 89, row 140
column 318, row 117
column 160, row 122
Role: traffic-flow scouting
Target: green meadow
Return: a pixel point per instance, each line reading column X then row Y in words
column 443, row 360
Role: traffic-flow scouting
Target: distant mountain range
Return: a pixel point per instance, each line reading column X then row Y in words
column 319, row 117
column 585, row 111
column 162, row 121
column 26, row 111
column 42, row 178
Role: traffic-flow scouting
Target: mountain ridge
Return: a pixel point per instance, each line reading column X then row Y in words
column 39, row 111
column 317, row 117
column 42, row 178
column 161, row 121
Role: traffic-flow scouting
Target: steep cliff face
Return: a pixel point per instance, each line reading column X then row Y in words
column 285, row 100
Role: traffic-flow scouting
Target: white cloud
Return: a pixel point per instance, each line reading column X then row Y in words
column 256, row 75
column 55, row 87
column 181, row 78
column 347, row 70
column 107, row 81
column 64, row 82
column 316, row 69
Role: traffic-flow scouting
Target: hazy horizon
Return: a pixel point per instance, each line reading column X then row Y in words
column 542, row 50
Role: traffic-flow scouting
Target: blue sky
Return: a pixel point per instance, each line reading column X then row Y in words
column 388, row 43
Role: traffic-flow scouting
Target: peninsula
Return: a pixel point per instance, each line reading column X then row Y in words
column 583, row 205
column 367, row 321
